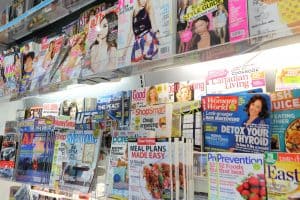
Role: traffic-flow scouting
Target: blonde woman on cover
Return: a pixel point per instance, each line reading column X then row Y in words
column 152, row 96
column 145, row 32
column 220, row 22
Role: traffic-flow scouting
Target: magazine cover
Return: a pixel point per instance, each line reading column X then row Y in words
column 71, row 59
column 202, row 23
column 286, row 121
column 235, row 79
column 182, row 170
column 145, row 30
column 152, row 121
column 12, row 72
column 71, row 29
column 90, row 104
column 287, row 78
column 35, row 157
column 273, row 19
column 8, row 148
column 236, row 176
column 44, row 61
column 149, row 169
column 91, row 12
column 70, row 107
column 237, row 123
column 189, row 91
column 187, row 122
column 101, row 42
column 50, row 109
column 28, row 56
column 33, row 112
column 77, row 172
column 152, row 95
column 115, row 107
column 282, row 175
column 59, row 155
column 89, row 120
column 117, row 179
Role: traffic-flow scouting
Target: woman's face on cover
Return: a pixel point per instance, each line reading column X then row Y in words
column 103, row 29
column 255, row 108
column 73, row 112
column 201, row 26
column 142, row 3
column 152, row 95
column 185, row 94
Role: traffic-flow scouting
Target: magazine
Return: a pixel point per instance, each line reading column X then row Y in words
column 50, row 109
column 35, row 157
column 71, row 59
column 152, row 121
column 117, row 178
column 115, row 107
column 152, row 95
column 282, row 175
column 221, row 22
column 189, row 90
column 90, row 104
column 44, row 61
column 145, row 30
column 70, row 107
column 286, row 121
column 287, row 78
column 71, row 29
column 101, row 42
column 89, row 120
column 77, row 172
column 9, row 147
column 236, row 176
column 237, row 123
column 28, row 55
column 149, row 169
column 12, row 72
column 273, row 19
column 187, row 122
column 200, row 173
column 235, row 79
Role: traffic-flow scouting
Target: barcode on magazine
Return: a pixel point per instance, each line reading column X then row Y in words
column 135, row 198
column 238, row 33
column 165, row 50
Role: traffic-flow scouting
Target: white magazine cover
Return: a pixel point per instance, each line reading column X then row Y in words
column 145, row 30
column 149, row 169
column 152, row 121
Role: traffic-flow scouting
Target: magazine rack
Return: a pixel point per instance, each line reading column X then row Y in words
column 168, row 63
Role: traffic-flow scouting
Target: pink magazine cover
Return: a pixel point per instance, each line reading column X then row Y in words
column 202, row 24
column 145, row 30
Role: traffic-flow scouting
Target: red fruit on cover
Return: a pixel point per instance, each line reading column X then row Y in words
column 262, row 183
column 246, row 185
column 262, row 192
column 240, row 188
column 253, row 181
column 254, row 190
column 245, row 193
column 254, row 197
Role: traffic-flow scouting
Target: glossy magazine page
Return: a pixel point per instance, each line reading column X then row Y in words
column 145, row 30
column 202, row 23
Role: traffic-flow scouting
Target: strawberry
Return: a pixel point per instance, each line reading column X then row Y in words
column 240, row 188
column 253, row 181
column 262, row 183
column 254, row 190
column 262, row 192
column 245, row 193
column 254, row 197
column 246, row 185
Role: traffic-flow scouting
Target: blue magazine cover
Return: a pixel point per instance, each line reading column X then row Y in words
column 35, row 157
column 237, row 122
column 286, row 121
column 115, row 107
